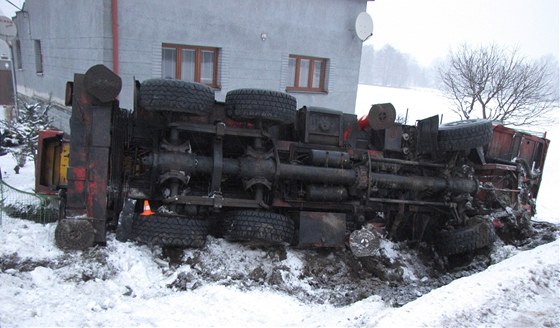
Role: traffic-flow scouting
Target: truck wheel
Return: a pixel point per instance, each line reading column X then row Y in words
column 464, row 135
column 124, row 226
column 74, row 234
column 266, row 105
column 258, row 226
column 466, row 239
column 176, row 96
column 169, row 230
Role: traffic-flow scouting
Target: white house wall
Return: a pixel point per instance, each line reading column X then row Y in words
column 73, row 38
column 76, row 34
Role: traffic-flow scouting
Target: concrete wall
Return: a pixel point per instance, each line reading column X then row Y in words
column 76, row 34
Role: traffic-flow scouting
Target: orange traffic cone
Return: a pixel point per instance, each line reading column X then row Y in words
column 147, row 210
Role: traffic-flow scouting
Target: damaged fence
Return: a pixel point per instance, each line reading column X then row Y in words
column 17, row 203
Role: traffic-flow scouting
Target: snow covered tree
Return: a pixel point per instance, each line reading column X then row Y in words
column 22, row 133
column 492, row 83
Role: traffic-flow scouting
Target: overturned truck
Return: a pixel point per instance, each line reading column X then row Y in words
column 254, row 168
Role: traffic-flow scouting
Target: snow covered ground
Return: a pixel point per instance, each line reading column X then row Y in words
column 125, row 284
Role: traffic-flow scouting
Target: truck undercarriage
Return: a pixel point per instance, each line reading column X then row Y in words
column 256, row 169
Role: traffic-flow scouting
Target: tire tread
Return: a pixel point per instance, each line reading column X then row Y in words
column 251, row 225
column 176, row 96
column 463, row 137
column 169, row 230
column 267, row 105
column 466, row 239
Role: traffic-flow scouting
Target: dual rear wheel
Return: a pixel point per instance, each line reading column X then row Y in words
column 246, row 105
column 252, row 226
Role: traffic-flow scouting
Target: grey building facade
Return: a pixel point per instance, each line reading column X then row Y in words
column 307, row 48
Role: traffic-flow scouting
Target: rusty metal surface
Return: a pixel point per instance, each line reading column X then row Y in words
column 101, row 83
column 322, row 170
column 321, row 229
column 322, row 126
column 393, row 138
column 427, row 135
column 382, row 116
column 517, row 152
column 88, row 171
column 508, row 144
column 326, row 193
column 393, row 181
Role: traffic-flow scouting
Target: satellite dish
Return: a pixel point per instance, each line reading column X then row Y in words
column 7, row 29
column 364, row 26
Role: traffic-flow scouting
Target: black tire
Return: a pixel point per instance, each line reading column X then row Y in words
column 169, row 230
column 265, row 105
column 176, row 96
column 464, row 135
column 126, row 217
column 466, row 239
column 258, row 226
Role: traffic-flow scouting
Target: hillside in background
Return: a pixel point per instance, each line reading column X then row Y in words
column 390, row 67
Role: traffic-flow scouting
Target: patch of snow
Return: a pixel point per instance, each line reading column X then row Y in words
column 522, row 291
column 386, row 247
column 25, row 180
column 28, row 240
column 123, row 285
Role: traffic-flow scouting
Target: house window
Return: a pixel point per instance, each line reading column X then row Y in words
column 38, row 57
column 308, row 74
column 17, row 45
column 190, row 63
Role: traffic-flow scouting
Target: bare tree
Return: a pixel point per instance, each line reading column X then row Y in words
column 492, row 83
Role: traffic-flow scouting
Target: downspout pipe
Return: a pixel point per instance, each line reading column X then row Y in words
column 14, row 79
column 115, row 30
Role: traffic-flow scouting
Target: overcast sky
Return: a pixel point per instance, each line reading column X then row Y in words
column 7, row 9
column 428, row 29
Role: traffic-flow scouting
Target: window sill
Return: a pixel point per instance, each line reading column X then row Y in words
column 39, row 74
column 299, row 90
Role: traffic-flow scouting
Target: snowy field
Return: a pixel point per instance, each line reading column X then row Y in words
column 125, row 284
